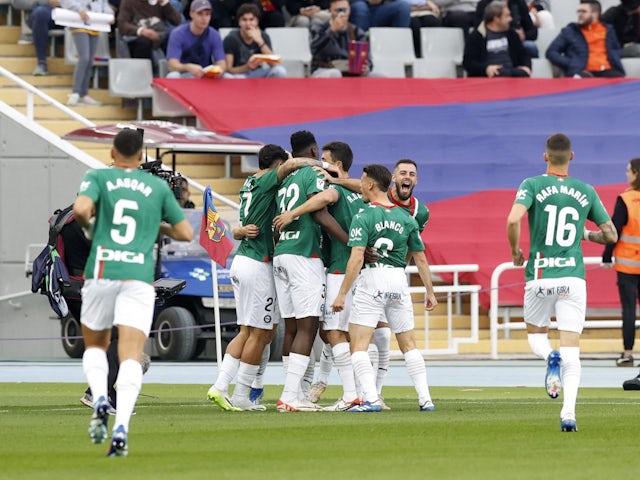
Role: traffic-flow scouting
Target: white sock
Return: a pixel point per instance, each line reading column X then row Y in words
column 96, row 369
column 129, row 383
column 246, row 375
column 258, row 382
column 295, row 371
column 363, row 371
column 382, row 339
column 326, row 362
column 571, row 369
column 540, row 345
column 342, row 358
column 418, row 373
column 307, row 378
column 372, row 351
column 228, row 370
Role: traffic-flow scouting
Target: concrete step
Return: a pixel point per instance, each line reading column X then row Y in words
column 10, row 34
column 25, row 65
column 41, row 82
column 17, row 96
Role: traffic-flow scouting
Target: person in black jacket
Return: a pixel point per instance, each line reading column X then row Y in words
column 494, row 49
column 625, row 19
column 521, row 22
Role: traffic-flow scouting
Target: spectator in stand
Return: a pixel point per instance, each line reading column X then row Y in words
column 587, row 48
column 380, row 13
column 494, row 48
column 143, row 25
column 195, row 45
column 270, row 13
column 330, row 43
column 40, row 22
column 86, row 42
column 521, row 22
column 626, row 218
column 223, row 12
column 540, row 14
column 243, row 45
column 424, row 13
column 625, row 19
column 458, row 14
column 304, row 13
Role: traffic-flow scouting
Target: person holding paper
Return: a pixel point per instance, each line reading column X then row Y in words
column 86, row 41
column 248, row 49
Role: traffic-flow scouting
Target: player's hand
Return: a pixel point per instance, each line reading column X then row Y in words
column 251, row 231
column 338, row 303
column 430, row 302
column 518, row 258
column 283, row 220
column 370, row 256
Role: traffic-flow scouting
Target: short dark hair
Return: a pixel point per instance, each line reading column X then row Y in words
column 248, row 8
column 340, row 151
column 380, row 175
column 406, row 160
column 493, row 10
column 269, row 154
column 128, row 142
column 595, row 5
column 558, row 148
column 634, row 163
column 302, row 140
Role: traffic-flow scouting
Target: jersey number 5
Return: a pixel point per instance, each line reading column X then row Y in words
column 121, row 219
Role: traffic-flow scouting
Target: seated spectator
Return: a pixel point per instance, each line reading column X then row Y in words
column 458, row 14
column 223, row 12
column 494, row 49
column 144, row 27
column 587, row 48
column 195, row 45
column 243, row 44
column 304, row 13
column 270, row 13
column 86, row 41
column 380, row 13
column 521, row 23
column 330, row 43
column 625, row 19
column 40, row 22
column 424, row 13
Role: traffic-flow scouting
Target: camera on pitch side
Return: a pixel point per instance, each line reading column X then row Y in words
column 172, row 178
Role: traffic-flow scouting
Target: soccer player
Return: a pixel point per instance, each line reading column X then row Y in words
column 382, row 291
column 299, row 275
column 123, row 209
column 558, row 207
column 252, row 277
column 343, row 205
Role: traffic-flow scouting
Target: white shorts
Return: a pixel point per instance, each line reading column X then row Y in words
column 117, row 302
column 382, row 295
column 255, row 292
column 565, row 298
column 336, row 320
column 300, row 285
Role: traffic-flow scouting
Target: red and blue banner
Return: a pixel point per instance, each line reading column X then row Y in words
column 213, row 234
column 474, row 140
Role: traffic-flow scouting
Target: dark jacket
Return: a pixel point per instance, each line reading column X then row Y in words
column 519, row 12
column 327, row 45
column 475, row 52
column 627, row 27
column 570, row 52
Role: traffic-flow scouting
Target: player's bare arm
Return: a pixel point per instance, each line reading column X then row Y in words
column 420, row 259
column 513, row 232
column 313, row 204
column 181, row 231
column 606, row 235
column 246, row 231
column 330, row 225
column 351, row 274
column 298, row 162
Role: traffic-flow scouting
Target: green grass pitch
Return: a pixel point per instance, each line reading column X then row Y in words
column 475, row 433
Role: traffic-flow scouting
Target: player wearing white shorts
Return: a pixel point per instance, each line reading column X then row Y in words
column 124, row 209
column 558, row 207
column 342, row 205
column 381, row 291
column 252, row 277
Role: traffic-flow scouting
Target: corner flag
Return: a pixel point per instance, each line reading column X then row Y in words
column 213, row 235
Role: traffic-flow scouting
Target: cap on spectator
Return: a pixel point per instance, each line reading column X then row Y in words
column 199, row 5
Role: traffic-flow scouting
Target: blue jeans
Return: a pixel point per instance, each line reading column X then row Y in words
column 40, row 23
column 391, row 14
